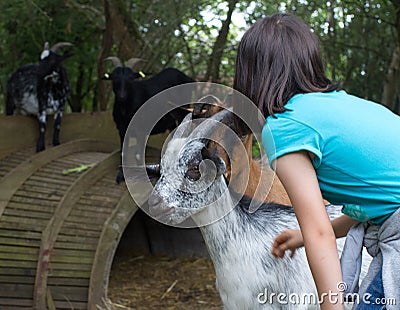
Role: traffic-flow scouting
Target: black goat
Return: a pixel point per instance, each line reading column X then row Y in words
column 39, row 89
column 131, row 94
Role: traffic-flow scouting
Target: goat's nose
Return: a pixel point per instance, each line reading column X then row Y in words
column 154, row 200
column 159, row 209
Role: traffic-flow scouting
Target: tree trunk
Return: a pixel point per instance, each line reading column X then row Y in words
column 214, row 63
column 76, row 97
column 390, row 96
column 125, row 34
column 391, row 86
column 119, row 31
column 102, row 88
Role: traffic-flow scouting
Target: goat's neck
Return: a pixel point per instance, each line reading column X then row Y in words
column 225, row 221
column 221, row 205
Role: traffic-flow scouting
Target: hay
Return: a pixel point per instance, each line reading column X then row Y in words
column 149, row 282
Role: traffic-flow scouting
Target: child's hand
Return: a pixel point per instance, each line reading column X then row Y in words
column 290, row 239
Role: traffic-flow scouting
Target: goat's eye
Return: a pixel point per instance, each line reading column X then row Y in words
column 193, row 173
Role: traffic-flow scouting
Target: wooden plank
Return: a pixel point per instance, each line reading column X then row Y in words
column 21, row 220
column 82, row 227
column 38, row 195
column 33, row 215
column 76, row 274
column 15, row 303
column 50, row 179
column 20, row 234
column 104, row 194
column 60, row 305
column 70, row 293
column 76, row 230
column 76, row 245
column 33, row 201
column 49, row 300
column 20, row 226
column 41, row 189
column 69, row 282
column 71, row 260
column 66, row 267
column 58, row 176
column 109, row 239
column 94, row 221
column 17, row 257
column 93, row 208
column 113, row 192
column 77, row 239
column 57, row 165
column 21, row 207
column 90, row 202
column 29, row 250
column 88, row 213
column 23, row 242
column 48, row 185
column 58, row 221
column 17, row 279
column 16, row 177
column 18, row 271
column 16, row 290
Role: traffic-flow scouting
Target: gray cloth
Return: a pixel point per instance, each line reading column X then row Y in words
column 383, row 244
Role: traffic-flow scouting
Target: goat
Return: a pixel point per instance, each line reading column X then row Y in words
column 130, row 94
column 39, row 89
column 258, row 173
column 191, row 184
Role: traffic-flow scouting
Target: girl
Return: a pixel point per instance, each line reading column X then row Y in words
column 323, row 144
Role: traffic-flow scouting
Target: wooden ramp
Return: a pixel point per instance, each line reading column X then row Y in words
column 59, row 232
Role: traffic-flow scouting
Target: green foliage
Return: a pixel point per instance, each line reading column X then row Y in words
column 357, row 38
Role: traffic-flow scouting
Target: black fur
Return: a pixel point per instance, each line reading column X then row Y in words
column 40, row 89
column 131, row 94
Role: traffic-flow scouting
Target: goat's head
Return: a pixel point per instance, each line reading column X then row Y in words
column 50, row 60
column 191, row 178
column 122, row 76
column 209, row 106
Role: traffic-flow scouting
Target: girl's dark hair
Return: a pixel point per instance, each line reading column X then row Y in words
column 279, row 57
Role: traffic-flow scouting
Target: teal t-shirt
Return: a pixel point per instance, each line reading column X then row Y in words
column 356, row 144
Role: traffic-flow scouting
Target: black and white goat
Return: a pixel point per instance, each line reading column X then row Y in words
column 39, row 89
column 191, row 185
column 130, row 94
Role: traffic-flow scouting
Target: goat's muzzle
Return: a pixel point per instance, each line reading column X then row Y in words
column 159, row 209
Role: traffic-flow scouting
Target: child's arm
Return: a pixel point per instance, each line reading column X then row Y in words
column 291, row 239
column 342, row 224
column 298, row 176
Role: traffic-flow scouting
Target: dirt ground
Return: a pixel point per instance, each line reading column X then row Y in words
column 150, row 282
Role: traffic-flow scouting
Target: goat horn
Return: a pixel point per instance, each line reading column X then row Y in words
column 46, row 46
column 210, row 125
column 183, row 129
column 115, row 61
column 210, row 99
column 56, row 46
column 132, row 62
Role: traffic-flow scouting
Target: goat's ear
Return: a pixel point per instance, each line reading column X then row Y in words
column 219, row 163
column 153, row 171
column 143, row 174
column 184, row 128
column 240, row 127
